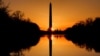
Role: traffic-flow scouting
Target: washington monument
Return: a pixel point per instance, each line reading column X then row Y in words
column 49, row 30
column 50, row 18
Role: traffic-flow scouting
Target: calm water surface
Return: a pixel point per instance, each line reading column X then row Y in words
column 60, row 47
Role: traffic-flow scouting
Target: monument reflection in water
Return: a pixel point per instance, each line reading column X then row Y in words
column 49, row 30
column 60, row 47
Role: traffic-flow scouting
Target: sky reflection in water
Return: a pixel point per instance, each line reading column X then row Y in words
column 60, row 47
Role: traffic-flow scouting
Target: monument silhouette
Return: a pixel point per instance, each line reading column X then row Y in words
column 49, row 29
column 50, row 18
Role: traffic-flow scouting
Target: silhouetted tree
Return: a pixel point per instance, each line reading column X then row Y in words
column 16, row 33
column 4, row 12
column 18, row 15
column 85, row 34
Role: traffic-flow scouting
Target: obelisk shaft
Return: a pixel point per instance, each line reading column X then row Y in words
column 50, row 16
column 50, row 31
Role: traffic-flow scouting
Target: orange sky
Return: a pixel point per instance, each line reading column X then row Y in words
column 65, row 12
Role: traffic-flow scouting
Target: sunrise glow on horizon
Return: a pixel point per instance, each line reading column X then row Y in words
column 65, row 12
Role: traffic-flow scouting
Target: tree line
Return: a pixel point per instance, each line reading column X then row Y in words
column 85, row 34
